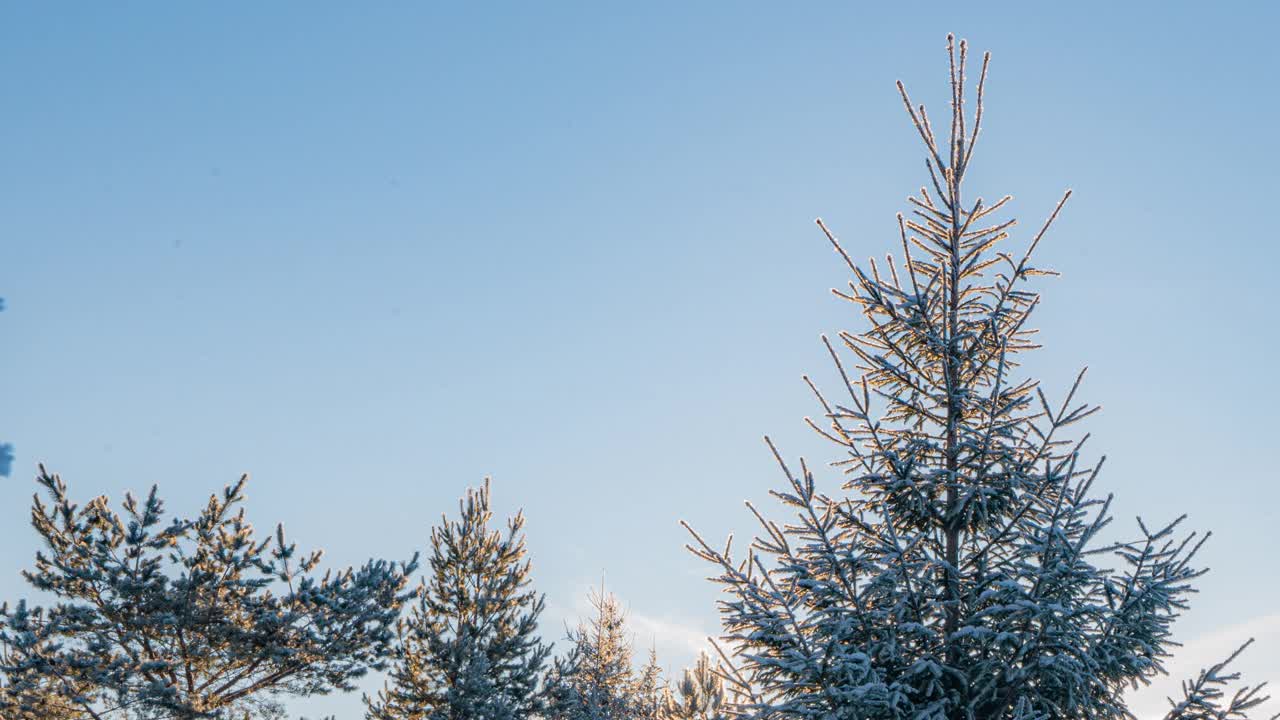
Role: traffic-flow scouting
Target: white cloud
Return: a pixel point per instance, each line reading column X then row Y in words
column 1261, row 662
column 678, row 642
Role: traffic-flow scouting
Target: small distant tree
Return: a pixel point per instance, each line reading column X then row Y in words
column 190, row 619
column 470, row 649
column 699, row 695
column 595, row 681
column 962, row 574
column 651, row 689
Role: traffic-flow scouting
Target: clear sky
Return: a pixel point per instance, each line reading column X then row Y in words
column 372, row 255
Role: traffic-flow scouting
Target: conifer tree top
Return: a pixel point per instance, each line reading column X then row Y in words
column 469, row 648
column 960, row 572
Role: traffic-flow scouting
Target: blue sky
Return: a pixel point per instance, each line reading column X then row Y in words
column 371, row 256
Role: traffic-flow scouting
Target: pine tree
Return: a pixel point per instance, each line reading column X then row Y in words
column 595, row 680
column 699, row 695
column 193, row 619
column 469, row 649
column 651, row 690
column 961, row 573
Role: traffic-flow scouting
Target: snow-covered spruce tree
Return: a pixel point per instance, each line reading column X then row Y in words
column 469, row 649
column 595, row 681
column 960, row 574
column 190, row 619
column 699, row 695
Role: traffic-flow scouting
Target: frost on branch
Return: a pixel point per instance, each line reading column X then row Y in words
column 1205, row 698
column 960, row 573
column 33, row 686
